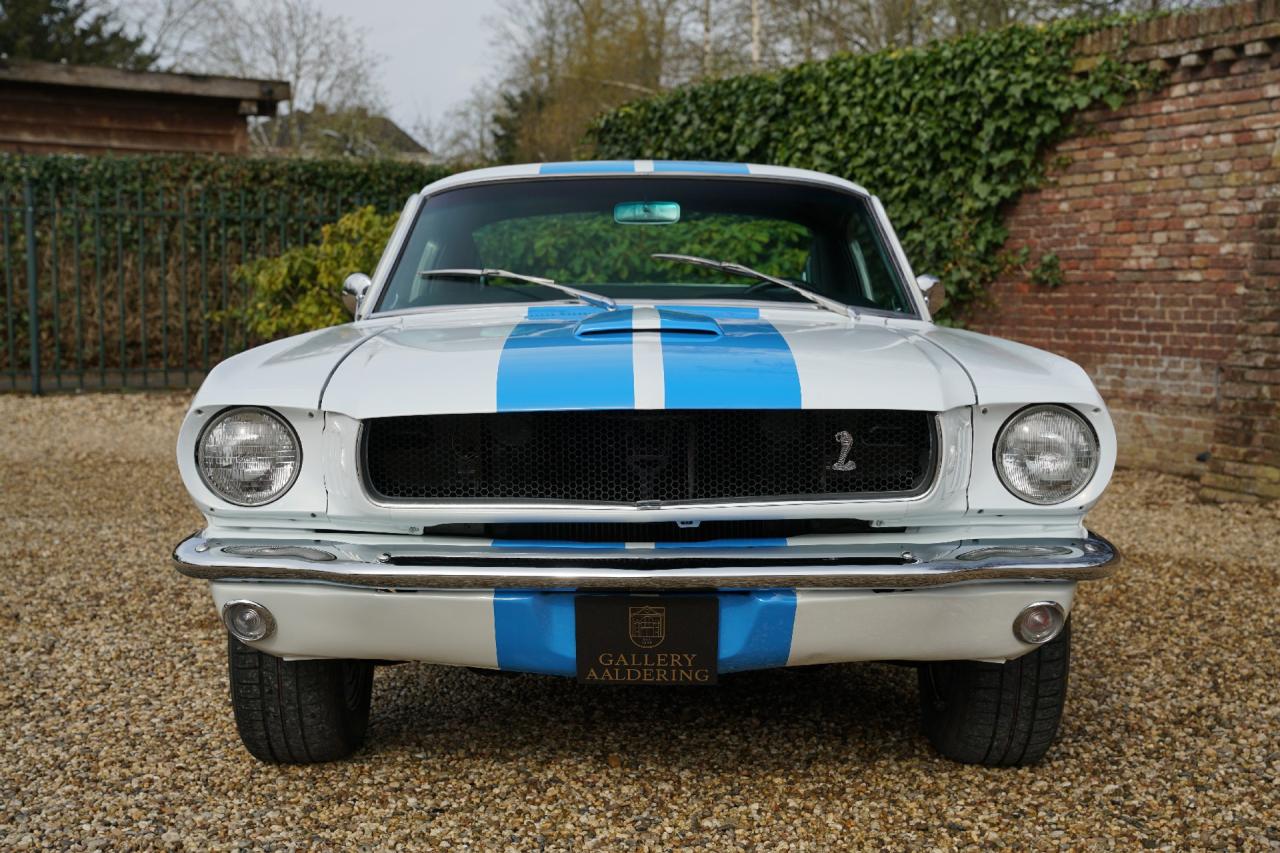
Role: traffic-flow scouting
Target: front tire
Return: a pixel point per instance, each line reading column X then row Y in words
column 298, row 711
column 997, row 714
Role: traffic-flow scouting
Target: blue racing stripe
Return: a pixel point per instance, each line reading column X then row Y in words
column 750, row 366
column 703, row 166
column 534, row 632
column 755, row 629
column 587, row 167
column 545, row 366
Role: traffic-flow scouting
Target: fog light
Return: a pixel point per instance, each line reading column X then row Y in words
column 248, row 621
column 1040, row 622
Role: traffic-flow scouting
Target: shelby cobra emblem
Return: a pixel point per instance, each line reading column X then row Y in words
column 647, row 626
column 846, row 443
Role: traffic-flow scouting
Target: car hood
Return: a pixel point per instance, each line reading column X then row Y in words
column 289, row 373
column 496, row 358
column 1009, row 372
column 556, row 357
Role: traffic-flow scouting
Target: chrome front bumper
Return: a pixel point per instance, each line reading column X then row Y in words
column 464, row 566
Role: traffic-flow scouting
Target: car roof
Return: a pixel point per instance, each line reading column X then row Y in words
column 633, row 167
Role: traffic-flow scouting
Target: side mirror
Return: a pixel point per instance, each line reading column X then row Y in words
column 935, row 293
column 354, row 289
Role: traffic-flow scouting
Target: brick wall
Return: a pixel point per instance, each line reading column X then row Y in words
column 1246, row 449
column 1163, row 217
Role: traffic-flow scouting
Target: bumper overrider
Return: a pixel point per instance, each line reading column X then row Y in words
column 511, row 606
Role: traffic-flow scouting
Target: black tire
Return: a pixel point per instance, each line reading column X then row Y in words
column 300, row 711
column 1000, row 715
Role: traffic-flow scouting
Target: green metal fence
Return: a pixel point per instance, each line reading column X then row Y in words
column 136, row 290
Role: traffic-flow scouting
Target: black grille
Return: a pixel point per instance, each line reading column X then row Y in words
column 641, row 456
column 659, row 531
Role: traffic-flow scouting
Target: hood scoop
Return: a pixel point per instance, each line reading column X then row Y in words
column 645, row 319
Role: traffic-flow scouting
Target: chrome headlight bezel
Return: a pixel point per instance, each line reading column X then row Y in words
column 231, row 411
column 1018, row 417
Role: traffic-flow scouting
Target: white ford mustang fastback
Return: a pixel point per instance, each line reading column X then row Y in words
column 645, row 423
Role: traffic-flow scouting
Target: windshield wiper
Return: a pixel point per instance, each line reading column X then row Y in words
column 582, row 295
column 738, row 269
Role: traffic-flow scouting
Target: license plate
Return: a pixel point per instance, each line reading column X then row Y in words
column 647, row 639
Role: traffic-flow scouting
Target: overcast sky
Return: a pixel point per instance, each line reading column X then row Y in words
column 435, row 50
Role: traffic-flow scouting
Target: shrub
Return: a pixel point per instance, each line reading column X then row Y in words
column 300, row 289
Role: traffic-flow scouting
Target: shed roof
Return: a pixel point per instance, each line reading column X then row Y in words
column 265, row 92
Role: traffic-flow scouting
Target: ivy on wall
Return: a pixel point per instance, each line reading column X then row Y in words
column 944, row 135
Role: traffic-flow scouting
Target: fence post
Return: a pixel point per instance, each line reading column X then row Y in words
column 33, row 293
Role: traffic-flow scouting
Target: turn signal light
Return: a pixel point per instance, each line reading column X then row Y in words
column 248, row 621
column 1040, row 622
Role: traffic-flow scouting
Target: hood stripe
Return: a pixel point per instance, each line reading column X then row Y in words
column 544, row 365
column 750, row 366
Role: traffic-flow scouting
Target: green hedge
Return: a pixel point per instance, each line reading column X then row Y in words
column 298, row 183
column 137, row 258
column 945, row 134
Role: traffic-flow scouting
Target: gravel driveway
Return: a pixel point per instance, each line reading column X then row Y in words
column 117, row 731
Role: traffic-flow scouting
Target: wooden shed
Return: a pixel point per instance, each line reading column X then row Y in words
column 48, row 107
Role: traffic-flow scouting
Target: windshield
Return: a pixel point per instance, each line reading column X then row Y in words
column 600, row 234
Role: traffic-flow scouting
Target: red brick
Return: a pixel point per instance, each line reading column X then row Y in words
column 1164, row 217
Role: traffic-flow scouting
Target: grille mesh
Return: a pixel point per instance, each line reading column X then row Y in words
column 634, row 456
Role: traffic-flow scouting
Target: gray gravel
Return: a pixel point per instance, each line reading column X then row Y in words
column 117, row 731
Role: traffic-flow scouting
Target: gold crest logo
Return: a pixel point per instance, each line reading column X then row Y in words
column 647, row 626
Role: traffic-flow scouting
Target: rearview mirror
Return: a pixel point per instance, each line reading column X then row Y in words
column 935, row 295
column 354, row 289
column 646, row 213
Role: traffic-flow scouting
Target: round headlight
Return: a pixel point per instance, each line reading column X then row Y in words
column 248, row 456
column 1046, row 454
